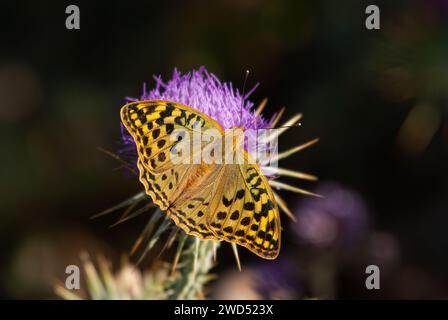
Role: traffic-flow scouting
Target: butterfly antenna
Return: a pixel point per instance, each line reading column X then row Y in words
column 242, row 97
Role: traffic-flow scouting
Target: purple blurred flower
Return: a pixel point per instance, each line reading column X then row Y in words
column 339, row 220
column 279, row 280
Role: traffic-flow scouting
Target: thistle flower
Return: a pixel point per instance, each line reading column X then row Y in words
column 225, row 104
column 204, row 92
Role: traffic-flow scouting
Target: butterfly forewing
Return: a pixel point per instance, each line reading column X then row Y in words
column 151, row 124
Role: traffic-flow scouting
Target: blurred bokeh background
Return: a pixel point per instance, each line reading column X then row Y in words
column 377, row 100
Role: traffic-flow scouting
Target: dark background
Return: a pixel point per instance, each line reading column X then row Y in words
column 376, row 99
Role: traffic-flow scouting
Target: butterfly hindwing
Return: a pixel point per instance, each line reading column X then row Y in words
column 245, row 210
column 192, row 208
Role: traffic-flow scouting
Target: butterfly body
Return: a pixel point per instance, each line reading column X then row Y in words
column 210, row 200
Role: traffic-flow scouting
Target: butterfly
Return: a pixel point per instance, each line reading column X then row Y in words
column 215, row 201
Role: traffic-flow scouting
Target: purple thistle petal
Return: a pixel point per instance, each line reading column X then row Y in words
column 205, row 92
column 202, row 91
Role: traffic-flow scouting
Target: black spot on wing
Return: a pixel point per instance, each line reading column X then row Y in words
column 245, row 221
column 249, row 206
column 155, row 133
column 226, row 202
column 235, row 215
